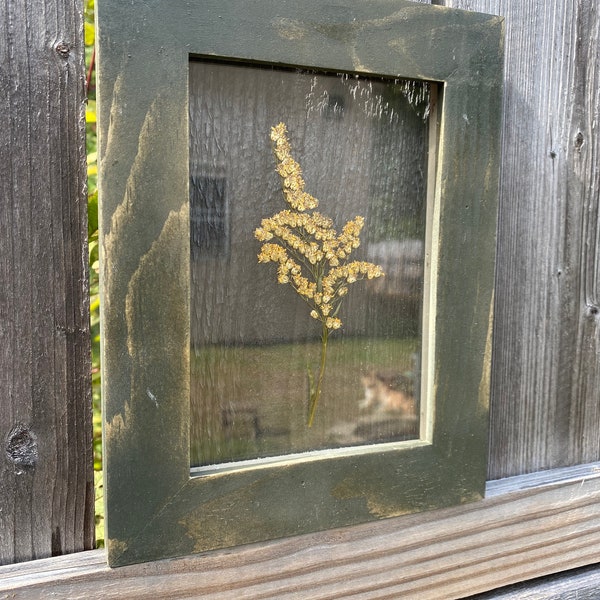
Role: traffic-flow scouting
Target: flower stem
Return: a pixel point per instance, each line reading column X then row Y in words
column 316, row 393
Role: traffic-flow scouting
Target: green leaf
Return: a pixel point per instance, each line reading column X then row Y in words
column 89, row 34
column 90, row 112
column 92, row 213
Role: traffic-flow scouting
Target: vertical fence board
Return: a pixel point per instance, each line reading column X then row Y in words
column 46, row 477
column 546, row 374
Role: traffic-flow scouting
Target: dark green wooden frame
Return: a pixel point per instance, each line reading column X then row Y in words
column 154, row 508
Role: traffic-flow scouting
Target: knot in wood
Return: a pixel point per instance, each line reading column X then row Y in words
column 21, row 446
column 63, row 49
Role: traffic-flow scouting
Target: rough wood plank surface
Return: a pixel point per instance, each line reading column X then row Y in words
column 443, row 555
column 46, row 478
column 545, row 408
column 578, row 584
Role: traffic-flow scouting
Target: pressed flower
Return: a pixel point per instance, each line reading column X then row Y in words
column 312, row 257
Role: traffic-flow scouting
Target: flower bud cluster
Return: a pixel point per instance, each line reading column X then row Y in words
column 312, row 257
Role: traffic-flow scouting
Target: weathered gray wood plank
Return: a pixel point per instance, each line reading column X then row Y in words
column 46, row 478
column 578, row 584
column 441, row 555
column 545, row 407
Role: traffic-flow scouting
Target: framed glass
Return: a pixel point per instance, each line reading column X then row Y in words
column 218, row 431
column 254, row 347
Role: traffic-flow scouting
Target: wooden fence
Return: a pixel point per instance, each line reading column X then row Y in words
column 545, row 406
column 46, row 478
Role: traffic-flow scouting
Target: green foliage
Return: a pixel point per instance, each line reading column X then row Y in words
column 91, row 140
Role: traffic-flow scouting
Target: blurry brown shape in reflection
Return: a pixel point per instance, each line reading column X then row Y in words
column 389, row 393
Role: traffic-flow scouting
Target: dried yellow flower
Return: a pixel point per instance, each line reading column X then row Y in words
column 310, row 253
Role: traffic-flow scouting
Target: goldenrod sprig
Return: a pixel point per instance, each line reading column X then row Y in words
column 311, row 256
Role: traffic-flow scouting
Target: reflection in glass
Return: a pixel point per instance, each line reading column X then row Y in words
column 362, row 145
column 208, row 217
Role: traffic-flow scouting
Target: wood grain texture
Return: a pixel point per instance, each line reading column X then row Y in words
column 46, row 478
column 545, row 405
column 577, row 584
column 442, row 555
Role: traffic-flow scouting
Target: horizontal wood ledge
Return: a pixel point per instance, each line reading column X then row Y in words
column 518, row 532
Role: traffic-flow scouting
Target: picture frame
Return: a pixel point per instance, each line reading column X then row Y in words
column 155, row 506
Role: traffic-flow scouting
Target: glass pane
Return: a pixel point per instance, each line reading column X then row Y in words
column 256, row 350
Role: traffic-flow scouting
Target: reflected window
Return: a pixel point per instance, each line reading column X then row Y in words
column 208, row 217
